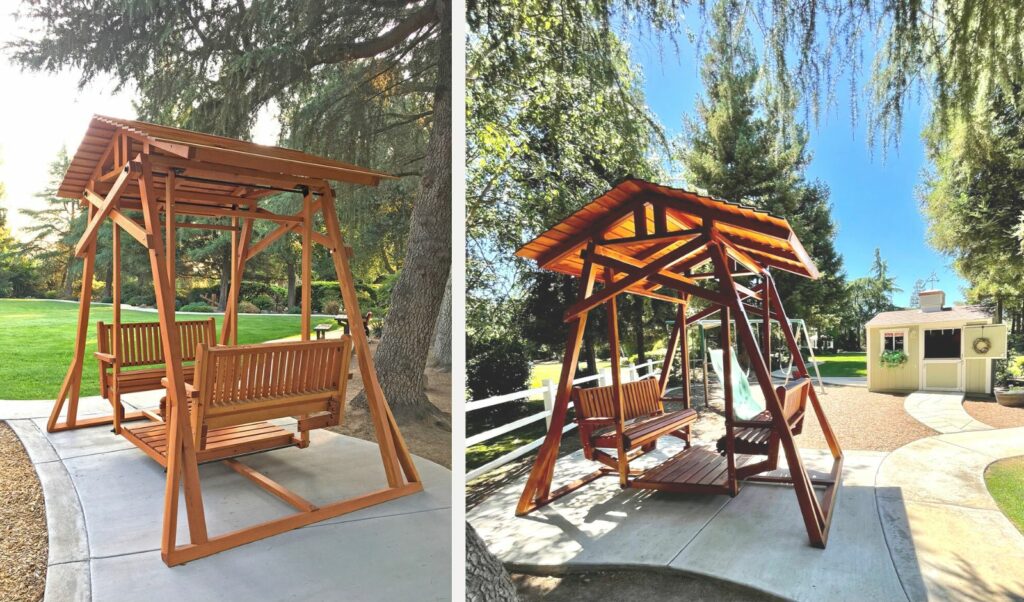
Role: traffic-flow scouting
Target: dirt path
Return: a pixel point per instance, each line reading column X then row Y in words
column 430, row 439
column 23, row 536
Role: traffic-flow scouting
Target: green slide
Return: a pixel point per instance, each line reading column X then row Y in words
column 744, row 405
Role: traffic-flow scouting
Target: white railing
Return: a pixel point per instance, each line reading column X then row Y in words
column 547, row 390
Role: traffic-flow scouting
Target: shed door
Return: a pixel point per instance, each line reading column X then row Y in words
column 942, row 363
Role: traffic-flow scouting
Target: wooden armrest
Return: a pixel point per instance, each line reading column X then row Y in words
column 106, row 358
column 189, row 389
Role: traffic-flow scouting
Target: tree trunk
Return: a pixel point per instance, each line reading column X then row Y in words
column 401, row 357
column 68, row 277
column 591, row 355
column 291, row 285
column 225, row 278
column 441, row 351
column 486, row 578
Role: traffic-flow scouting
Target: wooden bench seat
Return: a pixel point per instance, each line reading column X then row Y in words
column 645, row 414
column 237, row 390
column 757, row 435
column 136, row 363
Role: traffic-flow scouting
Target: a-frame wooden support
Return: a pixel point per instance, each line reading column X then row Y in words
column 181, row 461
column 732, row 301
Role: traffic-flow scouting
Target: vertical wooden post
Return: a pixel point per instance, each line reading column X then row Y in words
column 172, row 232
column 766, row 324
column 684, row 350
column 115, row 332
column 538, row 484
column 730, row 440
column 181, row 453
column 393, row 450
column 618, row 401
column 307, row 258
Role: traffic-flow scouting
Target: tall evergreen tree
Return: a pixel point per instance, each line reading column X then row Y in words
column 56, row 227
column 744, row 145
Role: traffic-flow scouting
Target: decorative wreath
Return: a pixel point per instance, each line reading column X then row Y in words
column 982, row 345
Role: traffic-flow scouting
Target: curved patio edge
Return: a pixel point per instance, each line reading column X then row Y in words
column 945, row 533
column 103, row 501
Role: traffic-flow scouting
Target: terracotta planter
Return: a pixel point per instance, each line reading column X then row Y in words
column 1013, row 399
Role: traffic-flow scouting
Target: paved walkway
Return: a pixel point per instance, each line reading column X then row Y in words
column 914, row 524
column 941, row 411
column 104, row 504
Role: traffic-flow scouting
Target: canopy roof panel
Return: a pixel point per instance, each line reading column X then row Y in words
column 177, row 145
column 760, row 236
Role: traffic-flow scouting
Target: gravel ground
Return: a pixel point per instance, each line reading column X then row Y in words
column 993, row 414
column 23, row 538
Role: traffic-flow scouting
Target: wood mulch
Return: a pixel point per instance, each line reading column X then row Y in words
column 428, row 438
column 23, row 537
column 991, row 413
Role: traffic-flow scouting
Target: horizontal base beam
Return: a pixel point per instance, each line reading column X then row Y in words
column 219, row 543
column 95, row 421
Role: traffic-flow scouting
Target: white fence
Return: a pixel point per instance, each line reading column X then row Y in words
column 547, row 390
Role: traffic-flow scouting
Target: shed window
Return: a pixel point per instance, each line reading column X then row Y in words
column 942, row 344
column 894, row 341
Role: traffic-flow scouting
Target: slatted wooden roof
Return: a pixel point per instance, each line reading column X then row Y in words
column 265, row 166
column 766, row 238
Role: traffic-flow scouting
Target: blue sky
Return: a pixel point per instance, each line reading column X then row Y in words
column 873, row 198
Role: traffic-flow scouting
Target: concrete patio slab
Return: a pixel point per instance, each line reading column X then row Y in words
column 942, row 412
column 104, row 510
column 759, row 538
column 744, row 539
column 403, row 557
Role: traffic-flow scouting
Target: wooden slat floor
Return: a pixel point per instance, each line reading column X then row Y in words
column 221, row 443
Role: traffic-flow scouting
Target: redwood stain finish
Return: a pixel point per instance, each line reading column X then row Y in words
column 671, row 253
column 218, row 406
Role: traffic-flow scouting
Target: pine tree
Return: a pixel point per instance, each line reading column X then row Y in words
column 745, row 146
column 56, row 227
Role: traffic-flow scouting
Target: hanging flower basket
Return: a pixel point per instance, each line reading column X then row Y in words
column 893, row 359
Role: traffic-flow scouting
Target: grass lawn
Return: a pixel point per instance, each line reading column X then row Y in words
column 844, row 364
column 37, row 341
column 1005, row 480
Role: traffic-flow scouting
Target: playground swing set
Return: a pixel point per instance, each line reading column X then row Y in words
column 224, row 402
column 655, row 241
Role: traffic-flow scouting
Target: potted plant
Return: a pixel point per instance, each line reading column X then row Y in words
column 1011, row 396
column 893, row 359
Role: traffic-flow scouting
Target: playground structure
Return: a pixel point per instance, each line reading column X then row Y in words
column 668, row 244
column 224, row 404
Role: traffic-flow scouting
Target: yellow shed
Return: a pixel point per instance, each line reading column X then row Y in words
column 946, row 348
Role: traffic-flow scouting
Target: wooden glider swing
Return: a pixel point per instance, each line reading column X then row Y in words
column 650, row 240
column 221, row 404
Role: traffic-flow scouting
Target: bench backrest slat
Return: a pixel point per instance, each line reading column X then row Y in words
column 236, row 384
column 140, row 343
column 640, row 398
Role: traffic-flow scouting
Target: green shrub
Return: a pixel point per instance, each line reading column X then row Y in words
column 201, row 307
column 495, row 366
column 330, row 307
column 244, row 307
column 141, row 301
column 264, row 302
